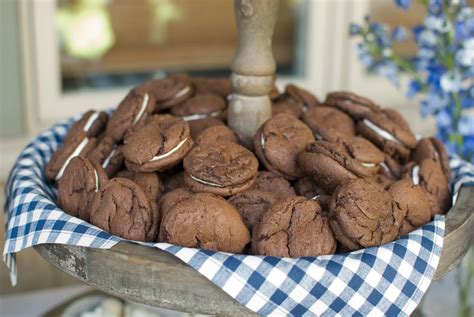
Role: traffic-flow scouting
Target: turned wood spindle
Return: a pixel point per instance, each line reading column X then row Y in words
column 253, row 66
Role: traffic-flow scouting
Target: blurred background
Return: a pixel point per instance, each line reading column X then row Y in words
column 65, row 56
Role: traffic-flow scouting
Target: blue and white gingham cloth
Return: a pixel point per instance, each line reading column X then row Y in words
column 386, row 280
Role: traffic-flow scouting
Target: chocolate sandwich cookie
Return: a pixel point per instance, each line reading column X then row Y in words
column 81, row 181
column 200, row 107
column 223, row 168
column 276, row 184
column 430, row 177
column 77, row 144
column 396, row 116
column 288, row 106
column 355, row 106
column 331, row 164
column 197, row 126
column 92, row 124
column 293, row 227
column 392, row 138
column 302, row 96
column 218, row 133
column 308, row 188
column 123, row 209
column 160, row 144
column 324, row 120
column 108, row 154
column 149, row 182
column 168, row 91
column 390, row 168
column 218, row 86
column 251, row 204
column 279, row 141
column 130, row 115
column 204, row 221
column 363, row 214
column 432, row 148
column 413, row 203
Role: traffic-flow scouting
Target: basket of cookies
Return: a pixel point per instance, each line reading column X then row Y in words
column 335, row 207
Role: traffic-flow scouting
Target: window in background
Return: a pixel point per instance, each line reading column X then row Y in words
column 115, row 43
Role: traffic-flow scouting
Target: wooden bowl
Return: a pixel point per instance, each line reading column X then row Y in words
column 154, row 277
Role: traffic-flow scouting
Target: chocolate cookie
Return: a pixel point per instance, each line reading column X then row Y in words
column 123, row 209
column 276, row 184
column 197, row 126
column 279, row 141
column 355, row 106
column 413, row 203
column 200, row 107
column 303, row 96
column 323, row 120
column 81, row 181
column 293, row 227
column 223, row 168
column 394, row 139
column 171, row 198
column 168, row 91
column 160, row 144
column 390, row 168
column 308, row 188
column 363, row 214
column 432, row 148
column 204, row 221
column 218, row 133
column 92, row 124
column 108, row 154
column 331, row 164
column 218, row 86
column 77, row 144
column 430, row 177
column 288, row 106
column 149, row 182
column 251, row 204
column 130, row 115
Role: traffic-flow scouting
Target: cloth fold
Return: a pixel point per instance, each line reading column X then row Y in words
column 386, row 280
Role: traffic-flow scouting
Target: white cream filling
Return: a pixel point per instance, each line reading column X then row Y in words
column 107, row 160
column 96, row 181
column 182, row 92
column 368, row 165
column 90, row 121
column 318, row 136
column 383, row 133
column 316, row 197
column 415, row 175
column 76, row 152
column 385, row 167
column 204, row 182
column 262, row 141
column 198, row 116
column 176, row 148
column 142, row 109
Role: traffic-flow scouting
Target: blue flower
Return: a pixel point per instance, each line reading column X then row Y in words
column 388, row 70
column 354, row 29
column 404, row 4
column 399, row 34
column 437, row 23
column 435, row 6
column 466, row 125
column 426, row 38
column 413, row 88
column 433, row 103
column 468, row 148
column 364, row 55
column 451, row 81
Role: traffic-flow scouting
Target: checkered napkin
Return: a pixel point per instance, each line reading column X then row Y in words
column 386, row 280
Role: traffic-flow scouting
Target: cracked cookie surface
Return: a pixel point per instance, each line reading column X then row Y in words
column 293, row 227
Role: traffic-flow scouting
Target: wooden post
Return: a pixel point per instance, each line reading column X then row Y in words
column 253, row 66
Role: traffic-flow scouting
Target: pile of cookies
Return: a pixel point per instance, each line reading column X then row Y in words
column 320, row 177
